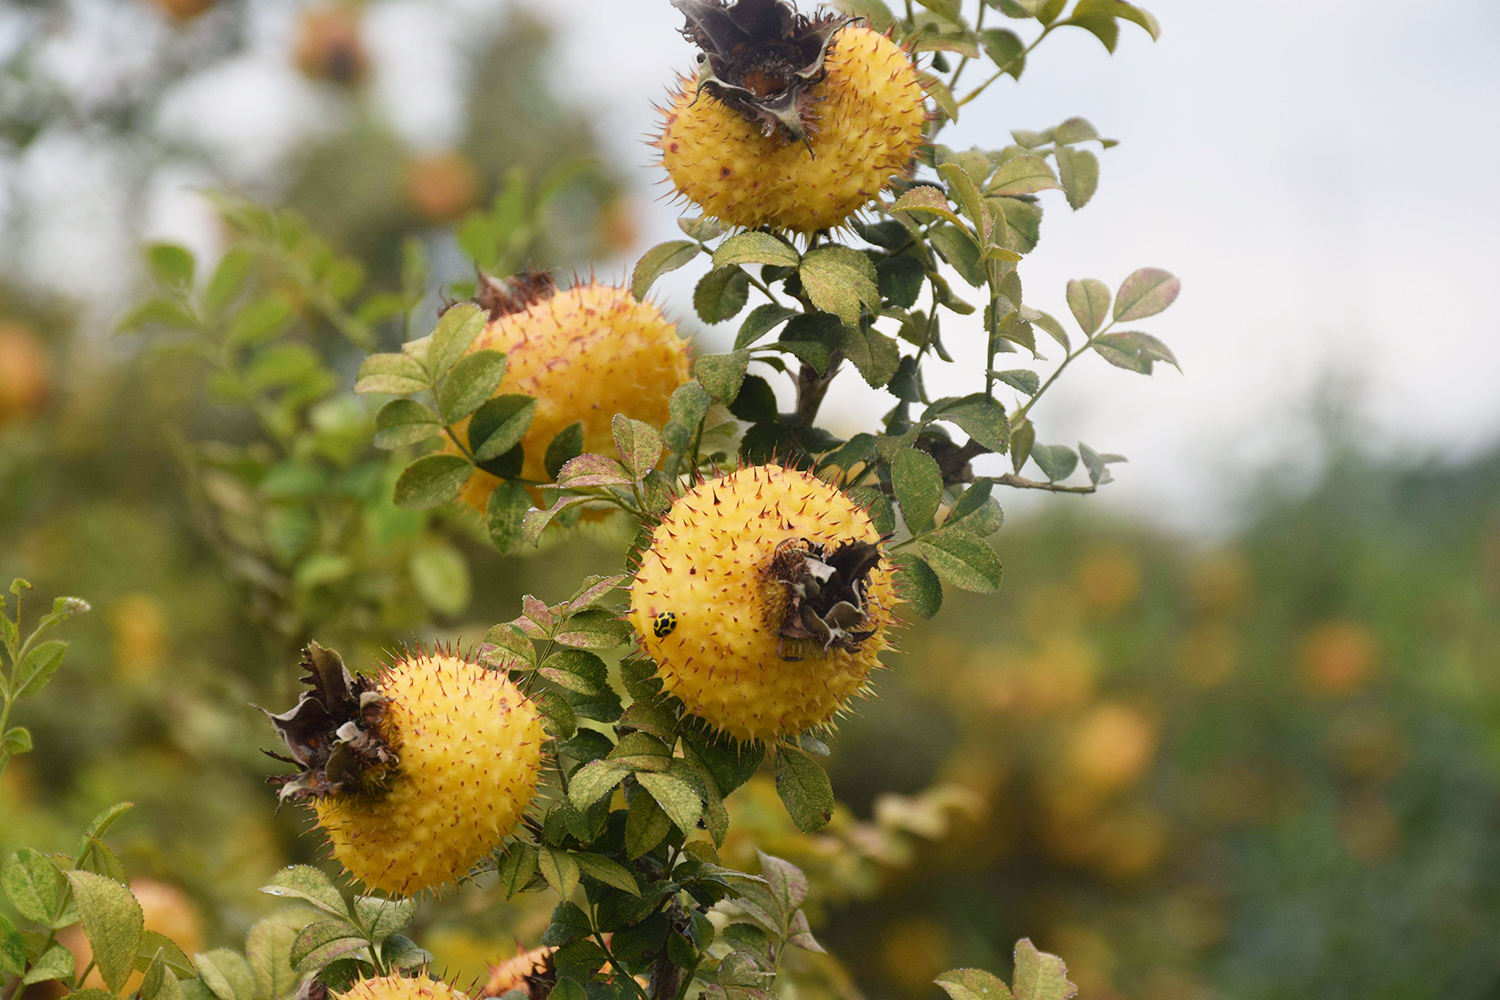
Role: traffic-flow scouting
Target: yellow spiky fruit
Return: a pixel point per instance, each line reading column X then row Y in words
column 469, row 747
column 400, row 988
column 585, row 354
column 712, row 610
column 869, row 126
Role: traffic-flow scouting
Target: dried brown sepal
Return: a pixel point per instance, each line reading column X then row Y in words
column 507, row 296
column 761, row 58
column 826, row 598
column 333, row 733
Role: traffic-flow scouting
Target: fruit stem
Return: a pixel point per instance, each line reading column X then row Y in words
column 812, row 387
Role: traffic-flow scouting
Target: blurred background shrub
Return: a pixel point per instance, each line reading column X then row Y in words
column 1262, row 765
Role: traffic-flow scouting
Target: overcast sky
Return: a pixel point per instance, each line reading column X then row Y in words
column 1322, row 175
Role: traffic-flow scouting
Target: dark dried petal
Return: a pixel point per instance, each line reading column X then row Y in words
column 761, row 58
column 333, row 732
column 826, row 592
column 506, row 296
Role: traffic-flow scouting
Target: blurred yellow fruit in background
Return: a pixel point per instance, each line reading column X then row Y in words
column 138, row 623
column 1337, row 658
column 915, row 949
column 1109, row 578
column 25, row 372
column 328, row 45
column 1112, row 747
column 442, row 186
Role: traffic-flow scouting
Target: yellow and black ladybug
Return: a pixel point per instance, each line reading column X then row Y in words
column 663, row 624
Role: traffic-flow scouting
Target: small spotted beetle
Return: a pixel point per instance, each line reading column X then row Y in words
column 663, row 624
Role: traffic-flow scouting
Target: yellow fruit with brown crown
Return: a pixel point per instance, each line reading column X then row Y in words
column 765, row 599
column 791, row 122
column 415, row 774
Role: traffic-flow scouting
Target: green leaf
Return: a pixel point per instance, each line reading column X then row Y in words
column 976, row 512
column 1005, row 50
column 266, row 317
column 455, row 331
column 591, row 470
column 700, row 227
column 917, row 584
column 403, row 422
column 1022, row 437
column 755, row 248
column 1040, row 976
column 688, row 406
column 13, row 948
column 875, row 12
column 980, row 417
column 730, row 763
column 170, row 264
column 638, row 443
column 596, row 866
column 13, row 741
column 677, row 798
column 722, row 374
column 721, row 294
column 973, row 984
column 403, row 953
column 658, row 261
column 473, row 379
column 268, row 950
column 38, row 667
column 566, row 446
column 307, row 883
column 1096, row 464
column 319, row 943
column 965, row 194
column 900, row 279
column 432, row 481
column 1101, row 26
column 918, row 483
column 962, row 559
column 594, row 628
column 839, row 280
column 228, row 279
column 440, row 575
column 944, row 8
column 155, row 946
column 1119, row 9
column 158, row 982
column 158, row 312
column 1079, row 172
column 113, row 922
column 804, row 788
column 1088, row 300
column 398, row 374
column 381, row 916
column 929, row 200
column 1022, row 379
column 1056, row 461
column 499, row 424
column 559, row 869
column 576, row 670
column 593, row 781
column 937, row 89
column 1076, row 130
column 1146, row 293
column 34, row 885
column 646, row 825
column 54, row 963
column 1025, row 174
column 505, row 514
column 517, row 866
column 1135, row 351
column 761, row 321
column 957, row 247
column 875, row 355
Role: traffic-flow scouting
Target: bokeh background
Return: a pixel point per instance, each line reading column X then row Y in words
column 1230, row 730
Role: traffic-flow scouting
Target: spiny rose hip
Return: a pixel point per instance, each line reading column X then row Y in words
column 415, row 774
column 400, row 988
column 791, row 122
column 765, row 599
column 585, row 354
